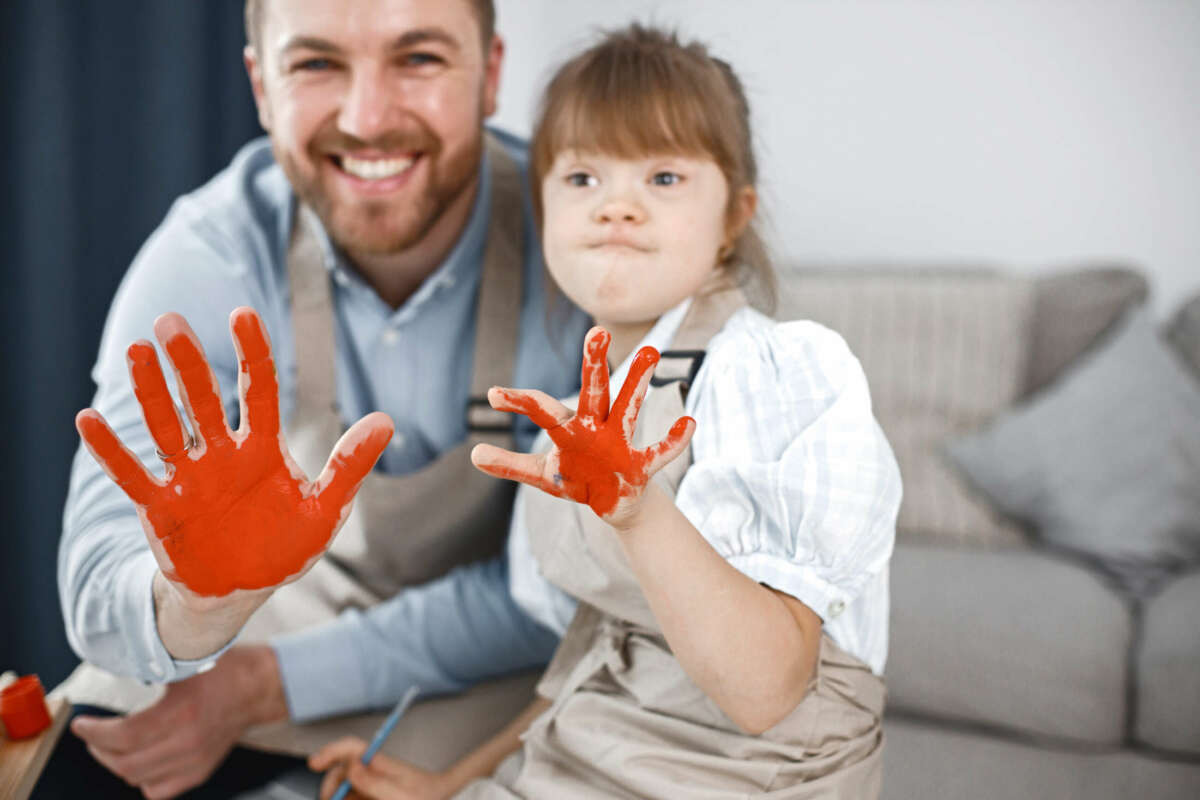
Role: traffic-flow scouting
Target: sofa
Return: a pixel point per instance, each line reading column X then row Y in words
column 1045, row 583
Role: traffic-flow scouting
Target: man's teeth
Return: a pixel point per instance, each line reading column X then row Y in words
column 375, row 169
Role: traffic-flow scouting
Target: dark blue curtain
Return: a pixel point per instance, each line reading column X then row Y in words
column 111, row 109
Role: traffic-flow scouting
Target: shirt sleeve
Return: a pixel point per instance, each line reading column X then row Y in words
column 793, row 481
column 441, row 636
column 105, row 567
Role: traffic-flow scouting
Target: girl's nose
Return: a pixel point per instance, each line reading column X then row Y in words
column 619, row 209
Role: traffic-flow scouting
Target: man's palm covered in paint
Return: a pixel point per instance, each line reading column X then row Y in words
column 234, row 511
column 593, row 460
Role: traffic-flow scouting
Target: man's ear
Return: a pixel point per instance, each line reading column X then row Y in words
column 491, row 86
column 254, row 72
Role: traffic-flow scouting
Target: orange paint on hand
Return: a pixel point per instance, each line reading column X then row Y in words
column 234, row 512
column 593, row 460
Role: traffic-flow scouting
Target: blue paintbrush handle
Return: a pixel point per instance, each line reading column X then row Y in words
column 381, row 735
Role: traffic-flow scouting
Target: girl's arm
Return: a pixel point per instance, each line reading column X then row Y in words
column 752, row 649
column 389, row 779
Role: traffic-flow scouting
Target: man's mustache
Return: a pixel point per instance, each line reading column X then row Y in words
column 392, row 141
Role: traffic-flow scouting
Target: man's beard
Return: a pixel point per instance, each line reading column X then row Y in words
column 380, row 227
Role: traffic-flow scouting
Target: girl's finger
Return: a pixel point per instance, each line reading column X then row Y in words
column 332, row 780
column 524, row 467
column 115, row 458
column 197, row 384
column 633, row 391
column 258, row 385
column 672, row 445
column 545, row 412
column 594, row 378
column 150, row 389
column 348, row 748
column 372, row 783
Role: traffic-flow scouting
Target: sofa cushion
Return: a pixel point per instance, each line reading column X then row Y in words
column 943, row 351
column 1168, row 668
column 1072, row 309
column 1183, row 332
column 1014, row 639
column 1106, row 460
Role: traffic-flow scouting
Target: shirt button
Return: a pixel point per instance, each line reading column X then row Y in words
column 835, row 608
column 449, row 281
column 398, row 440
column 391, row 336
column 341, row 278
column 205, row 667
column 156, row 670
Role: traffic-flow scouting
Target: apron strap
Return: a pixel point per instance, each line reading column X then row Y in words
column 499, row 302
column 312, row 318
column 706, row 316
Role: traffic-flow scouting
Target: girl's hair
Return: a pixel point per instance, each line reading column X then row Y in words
column 639, row 91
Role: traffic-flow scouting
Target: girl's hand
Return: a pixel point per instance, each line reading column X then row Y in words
column 234, row 512
column 593, row 460
column 383, row 779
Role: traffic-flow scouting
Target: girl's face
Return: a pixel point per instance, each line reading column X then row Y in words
column 628, row 239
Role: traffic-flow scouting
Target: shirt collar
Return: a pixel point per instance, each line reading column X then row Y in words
column 659, row 337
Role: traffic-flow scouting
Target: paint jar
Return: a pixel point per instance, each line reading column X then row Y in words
column 23, row 708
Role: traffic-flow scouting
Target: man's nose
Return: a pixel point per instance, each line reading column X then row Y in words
column 369, row 107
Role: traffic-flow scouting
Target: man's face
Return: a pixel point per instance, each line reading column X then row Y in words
column 375, row 110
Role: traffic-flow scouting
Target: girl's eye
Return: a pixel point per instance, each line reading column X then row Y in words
column 581, row 179
column 666, row 178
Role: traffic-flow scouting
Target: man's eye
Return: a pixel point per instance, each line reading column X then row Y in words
column 419, row 59
column 581, row 179
column 313, row 64
column 666, row 178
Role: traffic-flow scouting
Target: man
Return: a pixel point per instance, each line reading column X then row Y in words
column 372, row 234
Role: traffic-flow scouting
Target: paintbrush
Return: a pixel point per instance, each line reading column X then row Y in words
column 381, row 735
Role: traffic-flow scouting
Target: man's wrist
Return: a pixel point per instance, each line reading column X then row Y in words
column 256, row 671
column 191, row 630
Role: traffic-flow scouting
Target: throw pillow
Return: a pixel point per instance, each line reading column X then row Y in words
column 1183, row 332
column 944, row 350
column 1106, row 461
column 1072, row 309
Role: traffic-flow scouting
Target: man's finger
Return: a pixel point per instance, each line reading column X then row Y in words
column 197, row 384
column 109, row 761
column 594, row 378
column 352, row 458
column 675, row 442
column 633, row 391
column 150, row 388
column 524, row 467
column 258, row 385
column 544, row 411
column 115, row 458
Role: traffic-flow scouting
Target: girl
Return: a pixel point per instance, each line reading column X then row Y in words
column 723, row 596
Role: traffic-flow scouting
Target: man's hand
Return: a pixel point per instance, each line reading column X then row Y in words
column 235, row 516
column 383, row 779
column 176, row 743
column 593, row 460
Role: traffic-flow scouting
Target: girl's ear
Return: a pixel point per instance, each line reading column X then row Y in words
column 741, row 210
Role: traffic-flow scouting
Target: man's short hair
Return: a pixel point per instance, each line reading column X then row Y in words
column 485, row 12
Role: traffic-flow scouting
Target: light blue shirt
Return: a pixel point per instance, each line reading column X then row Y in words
column 222, row 246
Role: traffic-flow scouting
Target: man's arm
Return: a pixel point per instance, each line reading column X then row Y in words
column 442, row 636
column 105, row 568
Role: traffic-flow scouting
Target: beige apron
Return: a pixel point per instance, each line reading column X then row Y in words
column 404, row 529
column 626, row 721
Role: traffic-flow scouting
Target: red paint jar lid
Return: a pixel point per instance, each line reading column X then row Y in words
column 23, row 708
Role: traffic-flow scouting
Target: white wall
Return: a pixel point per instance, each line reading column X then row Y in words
column 1023, row 132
